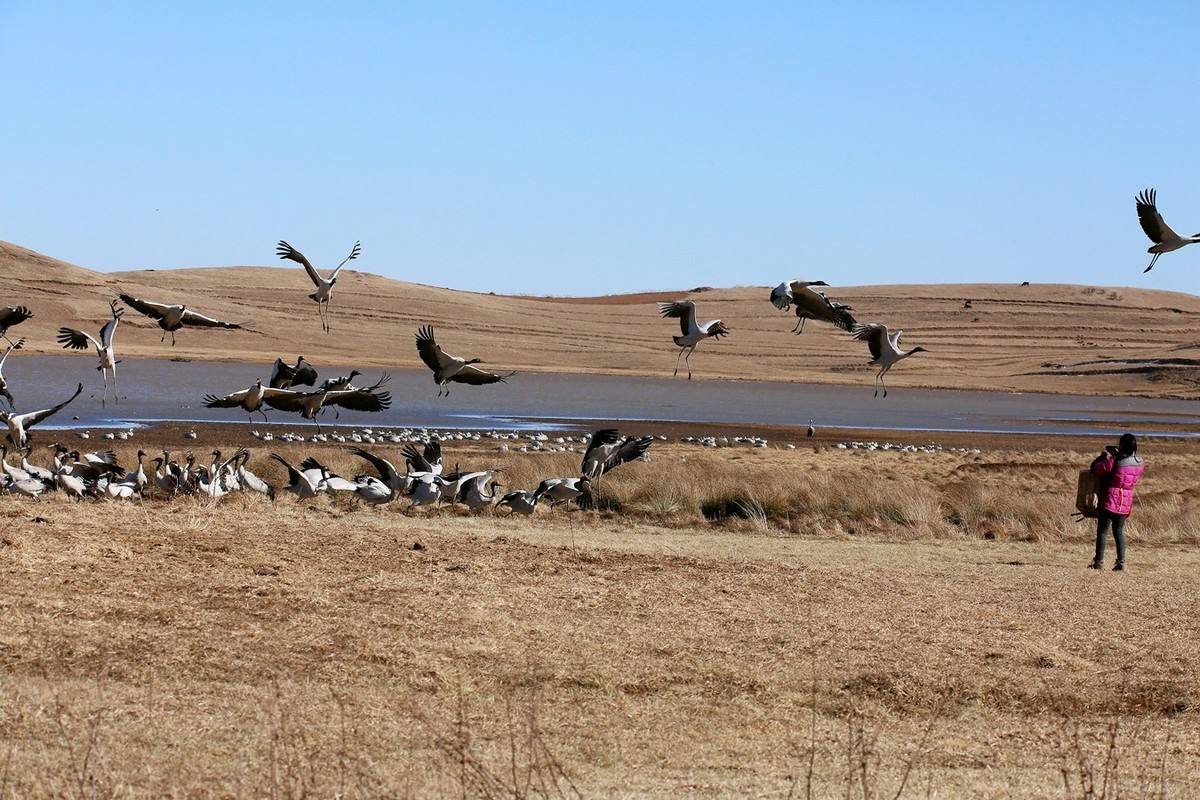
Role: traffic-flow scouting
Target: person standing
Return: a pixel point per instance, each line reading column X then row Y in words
column 1120, row 468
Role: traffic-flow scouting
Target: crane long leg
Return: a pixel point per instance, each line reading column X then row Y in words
column 676, row 373
column 688, row 360
column 116, row 396
column 1147, row 269
column 104, row 394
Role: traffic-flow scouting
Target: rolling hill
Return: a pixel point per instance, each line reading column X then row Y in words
column 1055, row 338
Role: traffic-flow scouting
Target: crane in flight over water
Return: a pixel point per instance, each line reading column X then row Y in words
column 811, row 304
column 171, row 317
column 323, row 295
column 885, row 350
column 74, row 339
column 452, row 369
column 1165, row 240
column 693, row 334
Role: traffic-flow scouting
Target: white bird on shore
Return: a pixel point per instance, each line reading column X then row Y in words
column 693, row 334
column 447, row 368
column 1165, row 240
column 33, row 469
column 323, row 295
column 19, row 424
column 134, row 483
column 811, row 304
column 247, row 478
column 172, row 317
column 74, row 339
column 885, row 350
column 3, row 383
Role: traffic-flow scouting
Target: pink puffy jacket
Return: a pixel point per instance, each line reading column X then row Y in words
column 1120, row 476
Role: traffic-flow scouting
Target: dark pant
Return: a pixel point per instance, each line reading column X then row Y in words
column 1107, row 520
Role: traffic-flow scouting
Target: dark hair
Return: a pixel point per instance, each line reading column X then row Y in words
column 1128, row 444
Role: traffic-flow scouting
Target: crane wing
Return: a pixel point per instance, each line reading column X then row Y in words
column 228, row 401
column 284, row 399
column 781, row 296
column 434, row 357
column 17, row 345
column 818, row 306
column 684, row 310
column 34, row 417
column 415, row 461
column 359, row 399
column 200, row 321
column 285, row 250
column 293, row 473
column 874, row 334
column 354, row 251
column 73, row 339
column 387, row 472
column 476, row 377
column 630, row 450
column 281, row 374
column 1152, row 222
column 13, row 315
column 303, row 373
column 110, row 327
column 152, row 310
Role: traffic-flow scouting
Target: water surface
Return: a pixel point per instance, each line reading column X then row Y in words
column 154, row 390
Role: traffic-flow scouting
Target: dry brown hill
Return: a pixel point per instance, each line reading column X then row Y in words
column 1056, row 338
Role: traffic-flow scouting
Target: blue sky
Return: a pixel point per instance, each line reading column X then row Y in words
column 557, row 148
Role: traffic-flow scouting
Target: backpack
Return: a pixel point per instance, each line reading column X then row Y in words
column 1087, row 494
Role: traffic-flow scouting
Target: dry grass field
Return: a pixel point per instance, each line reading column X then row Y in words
column 1072, row 339
column 764, row 623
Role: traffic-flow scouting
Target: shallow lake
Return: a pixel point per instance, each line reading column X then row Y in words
column 153, row 390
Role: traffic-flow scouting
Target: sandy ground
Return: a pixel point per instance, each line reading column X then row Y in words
column 1074, row 339
column 936, row 633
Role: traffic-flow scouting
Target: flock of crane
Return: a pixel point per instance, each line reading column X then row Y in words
column 423, row 480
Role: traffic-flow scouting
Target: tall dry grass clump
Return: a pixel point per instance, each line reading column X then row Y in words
column 823, row 492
